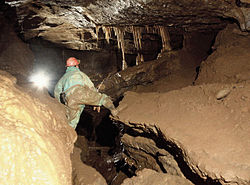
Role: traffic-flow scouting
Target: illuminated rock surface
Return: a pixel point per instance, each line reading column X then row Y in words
column 35, row 140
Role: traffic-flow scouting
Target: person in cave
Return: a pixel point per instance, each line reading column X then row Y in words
column 75, row 90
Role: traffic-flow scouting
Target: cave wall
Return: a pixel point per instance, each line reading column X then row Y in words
column 15, row 56
column 52, row 58
column 188, row 51
column 229, row 62
column 206, row 125
column 36, row 141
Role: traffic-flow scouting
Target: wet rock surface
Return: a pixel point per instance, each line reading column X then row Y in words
column 119, row 82
column 205, row 126
column 148, row 177
column 212, row 134
column 72, row 23
column 229, row 63
column 143, row 153
column 108, row 164
column 36, row 141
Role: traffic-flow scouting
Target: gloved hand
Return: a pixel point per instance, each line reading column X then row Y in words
column 114, row 112
column 108, row 103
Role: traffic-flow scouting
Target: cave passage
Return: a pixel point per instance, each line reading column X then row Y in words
column 186, row 63
column 100, row 140
column 103, row 150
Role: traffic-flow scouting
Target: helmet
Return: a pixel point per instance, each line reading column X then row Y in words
column 72, row 61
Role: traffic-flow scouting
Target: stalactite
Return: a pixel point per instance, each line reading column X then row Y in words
column 119, row 32
column 97, row 28
column 147, row 27
column 107, row 30
column 164, row 37
column 137, row 35
column 139, row 59
column 186, row 40
column 150, row 29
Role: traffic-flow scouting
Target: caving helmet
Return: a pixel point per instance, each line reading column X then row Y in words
column 72, row 61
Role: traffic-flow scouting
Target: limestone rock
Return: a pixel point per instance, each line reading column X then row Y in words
column 212, row 135
column 149, row 177
column 118, row 83
column 229, row 63
column 222, row 94
column 35, row 139
column 142, row 149
column 78, row 19
column 15, row 56
column 83, row 174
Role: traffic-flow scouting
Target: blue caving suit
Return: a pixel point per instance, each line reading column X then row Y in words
column 79, row 90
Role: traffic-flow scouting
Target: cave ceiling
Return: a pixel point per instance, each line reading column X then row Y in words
column 74, row 23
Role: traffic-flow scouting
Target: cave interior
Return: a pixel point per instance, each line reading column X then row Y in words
column 127, row 45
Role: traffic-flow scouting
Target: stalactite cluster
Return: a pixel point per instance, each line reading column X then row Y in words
column 119, row 32
column 137, row 35
column 137, row 32
column 165, row 38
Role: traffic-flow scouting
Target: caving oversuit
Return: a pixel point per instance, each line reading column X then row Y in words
column 78, row 91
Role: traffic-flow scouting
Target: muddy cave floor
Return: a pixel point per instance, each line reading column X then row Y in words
column 103, row 149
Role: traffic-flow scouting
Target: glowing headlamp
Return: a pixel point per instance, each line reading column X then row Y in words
column 40, row 79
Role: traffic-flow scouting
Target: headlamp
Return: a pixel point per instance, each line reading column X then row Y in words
column 40, row 79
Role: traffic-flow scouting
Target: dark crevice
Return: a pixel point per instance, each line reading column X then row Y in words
column 159, row 163
column 212, row 47
column 37, row 6
column 178, row 155
column 103, row 150
column 197, row 70
column 242, row 4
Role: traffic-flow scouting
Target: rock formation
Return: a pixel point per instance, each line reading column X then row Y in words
column 194, row 122
column 229, row 62
column 148, row 177
column 83, row 174
column 36, row 140
column 203, row 126
column 78, row 19
column 15, row 56
column 143, row 153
